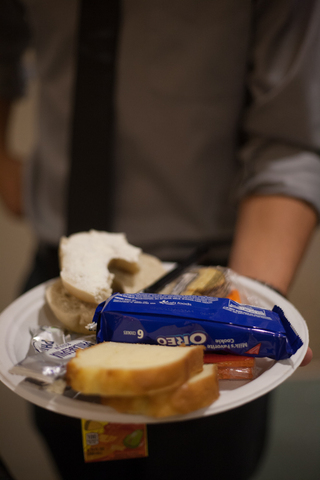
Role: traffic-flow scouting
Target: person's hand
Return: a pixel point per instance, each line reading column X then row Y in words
column 11, row 184
column 307, row 359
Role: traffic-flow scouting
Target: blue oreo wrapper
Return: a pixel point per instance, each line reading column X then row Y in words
column 219, row 324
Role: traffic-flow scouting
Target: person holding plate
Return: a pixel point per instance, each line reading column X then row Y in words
column 176, row 122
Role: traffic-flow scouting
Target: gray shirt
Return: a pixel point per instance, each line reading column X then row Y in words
column 215, row 100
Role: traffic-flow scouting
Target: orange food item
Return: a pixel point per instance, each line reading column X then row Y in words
column 234, row 295
column 232, row 367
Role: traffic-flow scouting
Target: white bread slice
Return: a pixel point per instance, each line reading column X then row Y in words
column 127, row 369
column 84, row 261
column 150, row 270
column 69, row 310
column 200, row 391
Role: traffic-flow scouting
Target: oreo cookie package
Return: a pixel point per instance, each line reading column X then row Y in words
column 221, row 325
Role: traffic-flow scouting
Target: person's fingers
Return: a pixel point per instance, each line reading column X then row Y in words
column 307, row 359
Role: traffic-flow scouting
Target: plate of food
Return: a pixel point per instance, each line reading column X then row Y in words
column 32, row 310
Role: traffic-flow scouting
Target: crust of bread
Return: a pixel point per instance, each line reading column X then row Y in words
column 199, row 392
column 94, row 370
column 69, row 310
column 151, row 269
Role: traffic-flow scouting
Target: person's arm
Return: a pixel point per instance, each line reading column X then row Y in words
column 279, row 191
column 10, row 167
column 271, row 237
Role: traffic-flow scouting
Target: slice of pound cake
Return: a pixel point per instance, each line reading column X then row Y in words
column 199, row 391
column 126, row 369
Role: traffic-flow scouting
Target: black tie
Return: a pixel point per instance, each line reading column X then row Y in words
column 90, row 194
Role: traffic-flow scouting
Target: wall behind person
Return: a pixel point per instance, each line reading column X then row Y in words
column 305, row 296
column 16, row 238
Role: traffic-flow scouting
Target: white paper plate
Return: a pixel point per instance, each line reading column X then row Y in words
column 30, row 310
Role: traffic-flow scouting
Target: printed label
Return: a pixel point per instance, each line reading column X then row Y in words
column 103, row 441
column 196, row 338
column 67, row 350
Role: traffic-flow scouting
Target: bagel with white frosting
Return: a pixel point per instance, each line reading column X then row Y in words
column 93, row 266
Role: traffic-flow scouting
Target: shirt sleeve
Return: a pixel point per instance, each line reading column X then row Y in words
column 282, row 121
column 14, row 39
